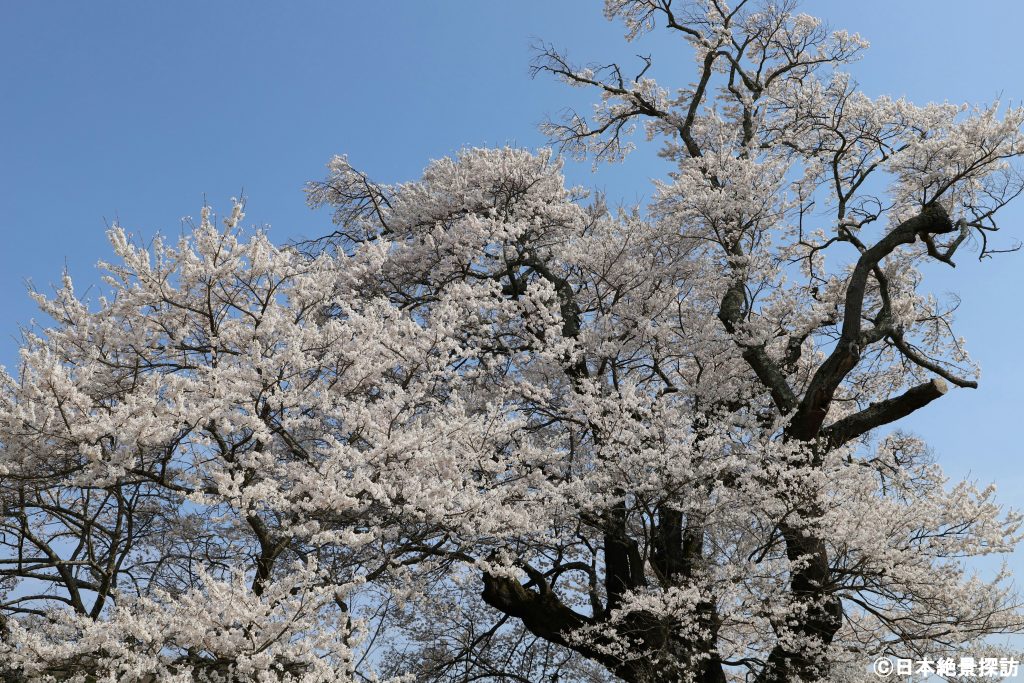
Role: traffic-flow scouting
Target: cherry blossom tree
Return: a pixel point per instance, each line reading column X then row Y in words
column 491, row 429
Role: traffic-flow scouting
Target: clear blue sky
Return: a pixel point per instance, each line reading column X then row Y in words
column 136, row 111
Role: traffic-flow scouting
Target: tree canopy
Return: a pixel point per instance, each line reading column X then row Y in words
column 489, row 428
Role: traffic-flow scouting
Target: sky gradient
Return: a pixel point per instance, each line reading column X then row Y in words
column 135, row 112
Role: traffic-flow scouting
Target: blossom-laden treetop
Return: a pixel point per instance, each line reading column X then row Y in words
column 491, row 429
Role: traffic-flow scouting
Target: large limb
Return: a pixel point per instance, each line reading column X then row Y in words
column 820, row 612
column 539, row 609
column 731, row 313
column 810, row 579
column 678, row 548
column 810, row 415
column 882, row 413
